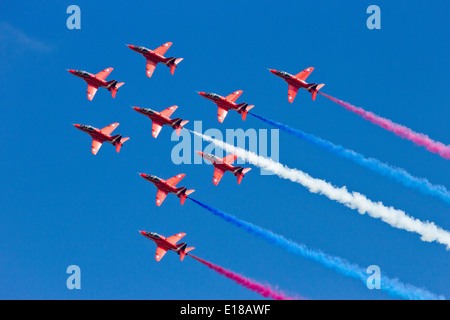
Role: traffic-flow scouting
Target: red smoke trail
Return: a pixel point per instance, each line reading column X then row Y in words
column 263, row 290
column 418, row 138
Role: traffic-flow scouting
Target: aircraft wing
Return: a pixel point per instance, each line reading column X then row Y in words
column 175, row 238
column 221, row 113
column 96, row 145
column 103, row 74
column 233, row 97
column 174, row 180
column 156, row 128
column 162, row 49
column 160, row 252
column 230, row 158
column 305, row 73
column 218, row 174
column 92, row 90
column 109, row 129
column 292, row 92
column 151, row 65
column 160, row 196
column 168, row 112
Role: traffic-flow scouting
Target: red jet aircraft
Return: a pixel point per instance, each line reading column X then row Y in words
column 155, row 56
column 223, row 165
column 100, row 136
column 168, row 186
column 98, row 80
column 165, row 244
column 298, row 81
column 162, row 118
column 226, row 103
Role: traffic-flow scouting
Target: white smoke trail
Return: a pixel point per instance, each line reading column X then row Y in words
column 428, row 231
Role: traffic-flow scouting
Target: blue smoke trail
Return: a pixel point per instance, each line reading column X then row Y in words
column 392, row 286
column 397, row 174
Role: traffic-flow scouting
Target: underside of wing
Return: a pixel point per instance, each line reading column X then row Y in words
column 218, row 174
column 151, row 65
column 230, row 158
column 221, row 113
column 103, row 74
column 160, row 196
column 174, row 180
column 292, row 92
column 168, row 112
column 109, row 129
column 234, row 96
column 96, row 145
column 175, row 238
column 304, row 74
column 156, row 128
column 160, row 252
column 91, row 91
column 162, row 49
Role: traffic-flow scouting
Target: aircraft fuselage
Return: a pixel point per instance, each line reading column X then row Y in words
column 162, row 184
column 222, row 101
column 161, row 241
column 217, row 162
column 292, row 80
column 149, row 54
column 96, row 133
column 90, row 78
column 154, row 115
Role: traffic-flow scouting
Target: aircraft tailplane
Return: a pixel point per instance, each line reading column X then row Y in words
column 184, row 195
column 241, row 174
column 182, row 124
column 174, row 65
column 115, row 88
column 245, row 111
column 184, row 251
column 120, row 143
column 314, row 90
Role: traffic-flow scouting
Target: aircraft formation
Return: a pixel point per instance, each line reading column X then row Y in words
column 159, row 119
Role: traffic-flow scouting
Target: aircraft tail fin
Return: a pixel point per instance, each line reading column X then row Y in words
column 245, row 111
column 184, row 195
column 315, row 89
column 116, row 87
column 241, row 174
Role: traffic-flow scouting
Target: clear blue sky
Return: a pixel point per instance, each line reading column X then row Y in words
column 60, row 205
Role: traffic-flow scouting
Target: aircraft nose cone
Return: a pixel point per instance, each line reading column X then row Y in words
column 142, row 232
column 71, row 70
column 130, row 46
column 77, row 126
column 143, row 175
column 200, row 153
column 201, row 93
column 272, row 70
column 136, row 108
